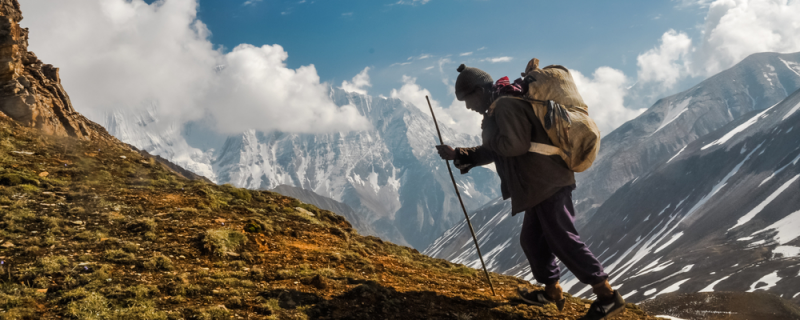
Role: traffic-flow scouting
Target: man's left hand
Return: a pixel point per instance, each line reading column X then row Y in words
column 446, row 152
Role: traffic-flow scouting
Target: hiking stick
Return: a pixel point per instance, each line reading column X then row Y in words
column 474, row 238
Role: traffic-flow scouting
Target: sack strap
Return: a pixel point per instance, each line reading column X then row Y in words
column 547, row 150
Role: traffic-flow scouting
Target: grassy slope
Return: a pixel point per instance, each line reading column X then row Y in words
column 93, row 230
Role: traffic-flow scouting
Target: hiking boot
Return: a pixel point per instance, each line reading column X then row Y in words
column 539, row 298
column 605, row 310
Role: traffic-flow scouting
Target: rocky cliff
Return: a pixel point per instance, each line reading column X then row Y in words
column 30, row 90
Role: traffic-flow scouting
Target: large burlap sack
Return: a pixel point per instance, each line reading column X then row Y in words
column 567, row 122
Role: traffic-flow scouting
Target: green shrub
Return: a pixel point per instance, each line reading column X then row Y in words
column 92, row 306
column 142, row 225
column 119, row 256
column 13, row 179
column 158, row 262
column 258, row 226
column 241, row 194
column 221, row 241
column 52, row 265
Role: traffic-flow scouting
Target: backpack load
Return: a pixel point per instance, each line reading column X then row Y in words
column 564, row 115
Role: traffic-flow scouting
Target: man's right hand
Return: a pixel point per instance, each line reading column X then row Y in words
column 446, row 152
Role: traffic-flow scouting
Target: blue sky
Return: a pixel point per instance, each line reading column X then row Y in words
column 343, row 37
column 268, row 64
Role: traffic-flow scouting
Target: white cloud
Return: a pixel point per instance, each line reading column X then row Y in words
column 456, row 116
column 604, row 93
column 465, row 54
column 359, row 82
column 128, row 54
column 347, row 14
column 661, row 64
column 498, row 59
column 733, row 30
column 481, row 48
column 412, row 2
column 251, row 2
column 423, row 56
column 428, row 68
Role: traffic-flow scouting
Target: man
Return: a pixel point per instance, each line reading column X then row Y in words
column 537, row 184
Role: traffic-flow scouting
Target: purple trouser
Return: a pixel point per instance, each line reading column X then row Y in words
column 548, row 231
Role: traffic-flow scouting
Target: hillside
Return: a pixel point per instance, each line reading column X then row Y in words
column 95, row 230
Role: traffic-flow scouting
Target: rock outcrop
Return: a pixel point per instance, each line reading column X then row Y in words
column 30, row 90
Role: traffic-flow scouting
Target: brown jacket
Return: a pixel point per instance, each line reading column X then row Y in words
column 527, row 178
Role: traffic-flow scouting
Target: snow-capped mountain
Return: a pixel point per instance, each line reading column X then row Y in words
column 498, row 231
column 390, row 175
column 757, row 82
column 722, row 214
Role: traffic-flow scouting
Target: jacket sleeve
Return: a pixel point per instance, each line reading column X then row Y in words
column 510, row 131
column 468, row 158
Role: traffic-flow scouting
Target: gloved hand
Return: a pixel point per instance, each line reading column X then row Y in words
column 446, row 152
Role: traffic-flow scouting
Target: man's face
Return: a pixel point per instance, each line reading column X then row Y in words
column 476, row 102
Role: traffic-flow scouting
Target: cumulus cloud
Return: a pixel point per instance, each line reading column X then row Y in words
column 358, row 83
column 129, row 54
column 498, row 59
column 663, row 64
column 456, row 116
column 465, row 54
column 733, row 30
column 605, row 93
column 256, row 87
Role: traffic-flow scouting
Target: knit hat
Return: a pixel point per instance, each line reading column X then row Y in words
column 470, row 79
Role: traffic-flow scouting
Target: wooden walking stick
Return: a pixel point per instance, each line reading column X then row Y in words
column 474, row 238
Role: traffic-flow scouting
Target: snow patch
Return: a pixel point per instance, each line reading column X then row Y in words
column 674, row 237
column 793, row 162
column 738, row 129
column 793, row 66
column 789, row 114
column 710, row 287
column 625, row 296
column 674, row 113
column 652, row 267
column 676, row 155
column 674, row 287
column 786, row 251
column 770, row 280
column 669, row 317
column 787, row 228
column 750, row 215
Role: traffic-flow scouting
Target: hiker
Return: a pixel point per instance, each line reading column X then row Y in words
column 538, row 184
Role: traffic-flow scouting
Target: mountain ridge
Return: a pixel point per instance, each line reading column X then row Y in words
column 756, row 83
